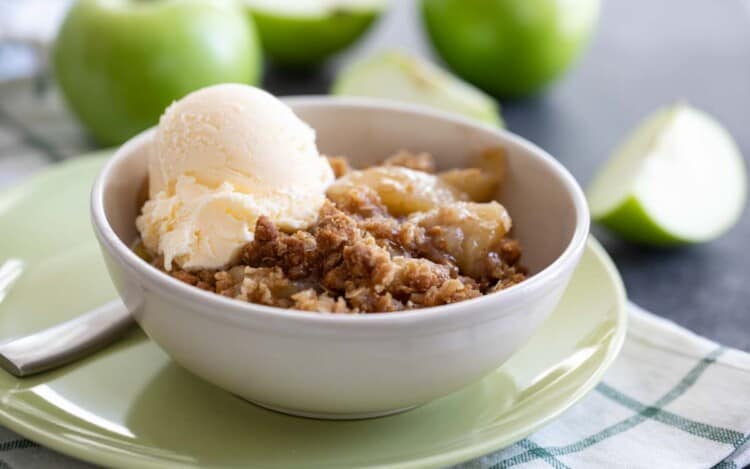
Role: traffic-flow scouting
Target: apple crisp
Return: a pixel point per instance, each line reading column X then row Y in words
column 392, row 237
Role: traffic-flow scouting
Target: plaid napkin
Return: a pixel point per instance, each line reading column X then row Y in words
column 671, row 400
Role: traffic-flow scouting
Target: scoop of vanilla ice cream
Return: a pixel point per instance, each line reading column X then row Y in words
column 222, row 157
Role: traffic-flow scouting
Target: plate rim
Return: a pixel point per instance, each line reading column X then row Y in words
column 106, row 456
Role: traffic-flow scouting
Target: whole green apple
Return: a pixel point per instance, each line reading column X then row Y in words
column 509, row 48
column 119, row 63
column 304, row 33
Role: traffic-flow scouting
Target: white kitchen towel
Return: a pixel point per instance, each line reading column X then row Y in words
column 671, row 400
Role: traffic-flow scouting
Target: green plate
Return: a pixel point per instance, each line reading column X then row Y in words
column 130, row 405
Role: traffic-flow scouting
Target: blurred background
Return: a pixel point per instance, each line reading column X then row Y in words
column 627, row 59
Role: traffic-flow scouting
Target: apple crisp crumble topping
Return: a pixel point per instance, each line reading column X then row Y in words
column 393, row 237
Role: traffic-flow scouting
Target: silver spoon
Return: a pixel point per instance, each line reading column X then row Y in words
column 64, row 342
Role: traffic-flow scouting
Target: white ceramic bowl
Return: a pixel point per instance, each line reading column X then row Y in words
column 347, row 366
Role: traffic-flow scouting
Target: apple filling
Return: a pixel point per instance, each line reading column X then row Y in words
column 391, row 237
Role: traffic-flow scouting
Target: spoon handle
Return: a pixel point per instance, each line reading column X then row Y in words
column 65, row 342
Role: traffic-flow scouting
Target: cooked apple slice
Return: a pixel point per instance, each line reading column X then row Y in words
column 402, row 190
column 468, row 231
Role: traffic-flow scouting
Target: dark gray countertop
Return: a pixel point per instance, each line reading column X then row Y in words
column 646, row 54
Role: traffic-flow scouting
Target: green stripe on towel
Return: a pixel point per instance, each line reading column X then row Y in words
column 646, row 412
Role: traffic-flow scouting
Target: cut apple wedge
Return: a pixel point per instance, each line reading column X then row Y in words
column 399, row 76
column 678, row 178
column 303, row 33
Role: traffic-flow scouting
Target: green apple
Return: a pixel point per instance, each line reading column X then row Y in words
column 678, row 178
column 399, row 76
column 509, row 48
column 304, row 33
column 119, row 63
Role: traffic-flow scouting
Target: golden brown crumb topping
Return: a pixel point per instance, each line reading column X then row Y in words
column 390, row 238
column 339, row 164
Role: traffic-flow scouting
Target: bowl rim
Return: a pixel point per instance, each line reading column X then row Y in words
column 223, row 306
